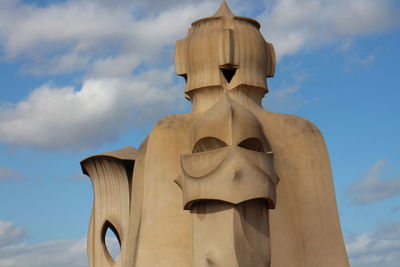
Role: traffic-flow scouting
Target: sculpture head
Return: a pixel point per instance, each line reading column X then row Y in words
column 230, row 160
column 224, row 51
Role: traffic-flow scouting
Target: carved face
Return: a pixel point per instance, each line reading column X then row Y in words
column 224, row 51
column 230, row 161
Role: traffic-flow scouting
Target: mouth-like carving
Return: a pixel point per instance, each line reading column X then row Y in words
column 231, row 174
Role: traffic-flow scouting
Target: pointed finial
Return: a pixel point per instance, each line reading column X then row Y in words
column 223, row 10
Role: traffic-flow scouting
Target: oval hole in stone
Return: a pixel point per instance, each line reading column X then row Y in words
column 208, row 144
column 111, row 240
column 252, row 144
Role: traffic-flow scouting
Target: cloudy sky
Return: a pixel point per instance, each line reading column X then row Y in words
column 79, row 77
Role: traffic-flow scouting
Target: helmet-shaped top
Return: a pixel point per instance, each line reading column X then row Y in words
column 225, row 51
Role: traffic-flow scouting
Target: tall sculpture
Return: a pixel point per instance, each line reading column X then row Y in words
column 227, row 185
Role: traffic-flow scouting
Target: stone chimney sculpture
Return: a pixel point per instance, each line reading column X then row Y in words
column 226, row 185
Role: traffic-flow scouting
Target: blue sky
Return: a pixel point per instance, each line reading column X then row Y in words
column 84, row 77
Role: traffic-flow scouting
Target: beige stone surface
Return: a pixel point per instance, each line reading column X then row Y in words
column 226, row 185
column 111, row 175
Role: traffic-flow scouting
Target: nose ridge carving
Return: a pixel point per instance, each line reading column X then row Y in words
column 229, row 123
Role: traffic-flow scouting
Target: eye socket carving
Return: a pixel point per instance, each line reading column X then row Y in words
column 253, row 144
column 208, row 144
column 212, row 143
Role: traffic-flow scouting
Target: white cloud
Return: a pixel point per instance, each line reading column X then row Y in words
column 111, row 40
column 62, row 253
column 370, row 59
column 49, row 254
column 8, row 174
column 374, row 188
column 64, row 118
column 294, row 25
column 379, row 248
column 355, row 61
column 346, row 44
column 10, row 234
column 63, row 63
column 108, row 39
